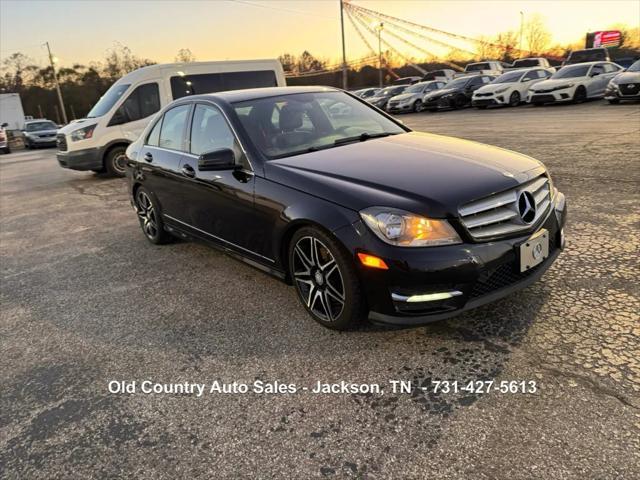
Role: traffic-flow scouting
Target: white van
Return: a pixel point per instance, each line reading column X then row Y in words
column 99, row 141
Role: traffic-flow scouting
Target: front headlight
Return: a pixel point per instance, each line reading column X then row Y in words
column 404, row 229
column 562, row 87
column 83, row 133
column 502, row 90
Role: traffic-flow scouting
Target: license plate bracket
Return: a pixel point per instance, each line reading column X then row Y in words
column 534, row 250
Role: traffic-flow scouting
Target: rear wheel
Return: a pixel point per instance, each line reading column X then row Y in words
column 580, row 95
column 514, row 99
column 115, row 161
column 325, row 279
column 149, row 218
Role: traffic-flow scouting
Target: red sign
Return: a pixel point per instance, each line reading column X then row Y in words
column 610, row 38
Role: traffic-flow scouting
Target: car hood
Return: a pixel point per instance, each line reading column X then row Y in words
column 442, row 91
column 493, row 87
column 403, row 97
column 628, row 77
column 74, row 124
column 423, row 173
column 547, row 84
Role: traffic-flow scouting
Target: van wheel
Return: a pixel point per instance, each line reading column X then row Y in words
column 115, row 161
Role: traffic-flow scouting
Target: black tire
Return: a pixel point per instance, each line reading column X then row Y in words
column 115, row 161
column 6, row 150
column 27, row 145
column 580, row 95
column 417, row 106
column 614, row 101
column 514, row 99
column 460, row 102
column 324, row 275
column 149, row 217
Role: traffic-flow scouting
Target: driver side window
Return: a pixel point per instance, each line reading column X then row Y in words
column 141, row 103
column 210, row 131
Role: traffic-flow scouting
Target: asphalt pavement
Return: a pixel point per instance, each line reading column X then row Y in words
column 86, row 300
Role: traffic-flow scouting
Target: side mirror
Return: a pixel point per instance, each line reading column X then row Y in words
column 222, row 159
column 4, row 124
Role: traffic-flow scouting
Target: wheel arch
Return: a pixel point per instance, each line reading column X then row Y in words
column 120, row 142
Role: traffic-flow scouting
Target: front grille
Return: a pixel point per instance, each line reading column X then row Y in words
column 484, row 94
column 484, row 101
column 498, row 215
column 61, row 142
column 542, row 98
column 505, row 275
column 629, row 88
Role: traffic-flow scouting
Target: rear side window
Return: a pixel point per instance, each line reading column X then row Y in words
column 142, row 102
column 154, row 137
column 173, row 127
column 181, row 86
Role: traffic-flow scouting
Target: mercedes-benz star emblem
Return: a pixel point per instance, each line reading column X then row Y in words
column 537, row 251
column 527, row 207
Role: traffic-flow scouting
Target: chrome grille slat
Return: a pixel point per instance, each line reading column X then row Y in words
column 498, row 214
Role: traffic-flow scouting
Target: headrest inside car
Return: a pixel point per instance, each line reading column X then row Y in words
column 290, row 117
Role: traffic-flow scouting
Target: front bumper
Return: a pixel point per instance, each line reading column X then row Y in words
column 42, row 141
column 399, row 108
column 476, row 273
column 86, row 159
column 622, row 92
column 564, row 95
column 488, row 101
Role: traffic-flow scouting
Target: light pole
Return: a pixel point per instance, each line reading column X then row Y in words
column 55, row 80
column 344, row 51
column 379, row 29
column 521, row 30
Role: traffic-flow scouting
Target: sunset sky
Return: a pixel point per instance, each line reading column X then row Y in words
column 82, row 31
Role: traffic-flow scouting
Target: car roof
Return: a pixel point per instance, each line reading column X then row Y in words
column 587, row 63
column 38, row 120
column 233, row 96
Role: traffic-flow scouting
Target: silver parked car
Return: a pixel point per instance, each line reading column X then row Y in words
column 411, row 99
column 39, row 133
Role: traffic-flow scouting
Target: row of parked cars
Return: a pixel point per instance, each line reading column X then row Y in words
column 536, row 83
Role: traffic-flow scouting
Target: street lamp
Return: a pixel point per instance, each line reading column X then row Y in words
column 521, row 29
column 379, row 28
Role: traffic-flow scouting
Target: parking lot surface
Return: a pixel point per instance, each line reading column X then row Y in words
column 86, row 300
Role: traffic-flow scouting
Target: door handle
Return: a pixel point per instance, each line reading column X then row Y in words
column 188, row 171
column 148, row 157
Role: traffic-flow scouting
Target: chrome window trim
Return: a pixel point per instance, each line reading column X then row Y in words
column 218, row 238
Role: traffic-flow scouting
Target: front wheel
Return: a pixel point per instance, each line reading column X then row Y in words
column 580, row 95
column 417, row 106
column 149, row 218
column 325, row 279
column 460, row 102
column 514, row 99
column 115, row 161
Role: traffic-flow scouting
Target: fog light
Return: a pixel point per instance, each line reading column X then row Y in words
column 372, row 261
column 426, row 297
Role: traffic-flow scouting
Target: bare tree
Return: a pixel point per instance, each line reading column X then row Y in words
column 185, row 56
column 537, row 35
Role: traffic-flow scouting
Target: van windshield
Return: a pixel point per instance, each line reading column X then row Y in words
column 108, row 100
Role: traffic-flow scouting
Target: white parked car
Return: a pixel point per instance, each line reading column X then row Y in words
column 510, row 88
column 99, row 141
column 575, row 83
column 411, row 99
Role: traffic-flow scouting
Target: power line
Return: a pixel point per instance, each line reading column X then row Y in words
column 288, row 10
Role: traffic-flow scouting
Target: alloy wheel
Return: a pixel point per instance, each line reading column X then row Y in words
column 119, row 162
column 318, row 278
column 146, row 215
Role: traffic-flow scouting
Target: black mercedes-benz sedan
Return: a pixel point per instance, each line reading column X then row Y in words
column 363, row 216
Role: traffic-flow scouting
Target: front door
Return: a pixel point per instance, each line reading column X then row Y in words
column 220, row 203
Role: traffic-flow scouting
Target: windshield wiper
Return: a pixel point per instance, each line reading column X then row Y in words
column 362, row 137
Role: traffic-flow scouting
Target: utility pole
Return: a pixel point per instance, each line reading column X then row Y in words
column 55, row 80
column 380, row 27
column 521, row 30
column 344, row 51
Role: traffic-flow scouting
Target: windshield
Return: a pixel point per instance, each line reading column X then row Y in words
column 526, row 62
column 581, row 56
column 457, row 83
column 572, row 72
column 635, row 67
column 474, row 67
column 417, row 88
column 509, row 77
column 108, row 100
column 39, row 126
column 391, row 91
column 288, row 125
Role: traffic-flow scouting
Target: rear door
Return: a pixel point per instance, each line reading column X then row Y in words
column 160, row 157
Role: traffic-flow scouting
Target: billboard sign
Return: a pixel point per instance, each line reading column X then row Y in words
column 607, row 39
